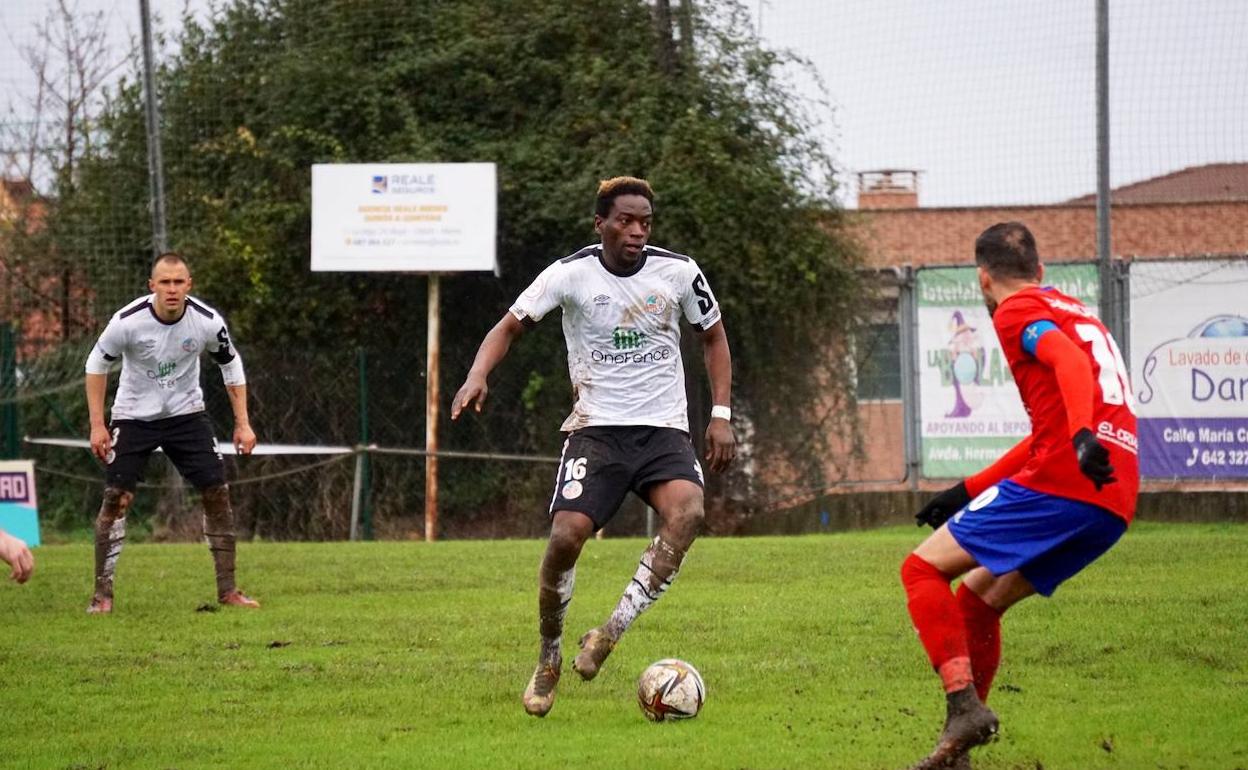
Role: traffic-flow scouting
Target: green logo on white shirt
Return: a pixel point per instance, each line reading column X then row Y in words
column 627, row 339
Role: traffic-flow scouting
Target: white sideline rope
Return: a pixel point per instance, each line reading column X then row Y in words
column 233, row 482
column 224, row 446
column 227, row 448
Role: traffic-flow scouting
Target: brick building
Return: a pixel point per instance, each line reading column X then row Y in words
column 1195, row 212
column 42, row 298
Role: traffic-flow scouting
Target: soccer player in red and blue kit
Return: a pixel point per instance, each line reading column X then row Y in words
column 1048, row 508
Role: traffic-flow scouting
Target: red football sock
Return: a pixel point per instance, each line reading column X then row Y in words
column 938, row 620
column 983, row 637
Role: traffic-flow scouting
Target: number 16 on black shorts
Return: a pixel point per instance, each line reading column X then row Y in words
column 599, row 465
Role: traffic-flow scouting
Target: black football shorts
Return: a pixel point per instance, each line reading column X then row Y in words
column 601, row 464
column 186, row 439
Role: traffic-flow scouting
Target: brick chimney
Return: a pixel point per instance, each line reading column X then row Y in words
column 889, row 188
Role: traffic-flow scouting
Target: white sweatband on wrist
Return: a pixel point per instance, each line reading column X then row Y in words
column 722, row 412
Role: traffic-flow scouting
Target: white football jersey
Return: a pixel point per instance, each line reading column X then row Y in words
column 623, row 333
column 160, row 361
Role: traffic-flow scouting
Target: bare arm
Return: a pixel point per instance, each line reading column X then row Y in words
column 14, row 552
column 244, row 436
column 721, row 444
column 492, row 351
column 97, row 388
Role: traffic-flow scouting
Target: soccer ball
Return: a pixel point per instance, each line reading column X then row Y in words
column 670, row 689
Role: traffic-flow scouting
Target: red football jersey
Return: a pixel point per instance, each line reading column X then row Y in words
column 1052, row 467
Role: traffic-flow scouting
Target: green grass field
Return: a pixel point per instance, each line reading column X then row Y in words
column 392, row 655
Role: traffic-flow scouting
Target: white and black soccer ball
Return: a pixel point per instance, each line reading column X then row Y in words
column 670, row 689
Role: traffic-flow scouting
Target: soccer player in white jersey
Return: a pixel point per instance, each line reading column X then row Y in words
column 158, row 340
column 622, row 302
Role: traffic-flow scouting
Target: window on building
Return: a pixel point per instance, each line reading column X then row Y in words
column 878, row 361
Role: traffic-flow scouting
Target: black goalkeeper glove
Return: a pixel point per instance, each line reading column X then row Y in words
column 942, row 506
column 1093, row 458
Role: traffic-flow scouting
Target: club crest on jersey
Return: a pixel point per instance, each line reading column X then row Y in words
column 190, row 345
column 536, row 288
column 656, row 304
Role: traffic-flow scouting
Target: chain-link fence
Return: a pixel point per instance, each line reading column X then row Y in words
column 340, row 359
column 994, row 103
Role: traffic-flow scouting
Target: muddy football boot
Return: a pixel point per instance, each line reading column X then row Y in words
column 539, row 696
column 969, row 723
column 596, row 645
column 237, row 598
column 100, row 605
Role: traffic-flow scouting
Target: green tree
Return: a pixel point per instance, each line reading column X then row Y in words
column 559, row 95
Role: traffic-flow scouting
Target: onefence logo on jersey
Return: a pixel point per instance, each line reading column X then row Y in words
column 161, row 375
column 651, row 356
column 627, row 339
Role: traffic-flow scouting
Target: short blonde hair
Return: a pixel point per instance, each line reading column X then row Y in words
column 610, row 189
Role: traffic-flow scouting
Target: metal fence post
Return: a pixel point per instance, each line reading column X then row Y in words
column 8, row 392
column 362, row 507
column 908, row 306
column 155, row 159
column 433, row 355
column 1122, row 293
column 357, row 488
column 1104, row 239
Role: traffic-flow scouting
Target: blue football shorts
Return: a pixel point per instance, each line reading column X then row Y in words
column 1047, row 538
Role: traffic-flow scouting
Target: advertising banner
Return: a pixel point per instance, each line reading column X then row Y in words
column 1189, row 364
column 19, row 509
column 969, row 408
column 413, row 217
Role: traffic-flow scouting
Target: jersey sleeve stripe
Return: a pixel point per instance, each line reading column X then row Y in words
column 588, row 251
column 193, row 304
column 145, row 304
column 661, row 252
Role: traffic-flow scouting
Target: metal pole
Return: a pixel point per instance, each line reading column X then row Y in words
column 907, row 301
column 360, row 509
column 155, row 161
column 431, row 409
column 357, row 488
column 8, row 392
column 1103, row 253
